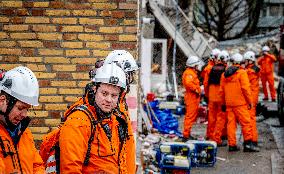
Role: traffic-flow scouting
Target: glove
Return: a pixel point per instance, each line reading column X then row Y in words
column 249, row 106
column 223, row 108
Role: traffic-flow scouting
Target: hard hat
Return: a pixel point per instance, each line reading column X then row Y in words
column 265, row 48
column 237, row 58
column 214, row 53
column 110, row 74
column 22, row 84
column 123, row 58
column 223, row 56
column 249, row 55
column 192, row 61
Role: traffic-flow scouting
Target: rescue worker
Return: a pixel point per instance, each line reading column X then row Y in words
column 266, row 73
column 253, row 72
column 129, row 65
column 236, row 102
column 215, row 116
column 106, row 155
column 19, row 90
column 205, row 72
column 191, row 84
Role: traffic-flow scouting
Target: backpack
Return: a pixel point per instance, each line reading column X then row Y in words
column 50, row 150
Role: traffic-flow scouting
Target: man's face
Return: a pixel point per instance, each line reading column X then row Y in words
column 18, row 112
column 107, row 97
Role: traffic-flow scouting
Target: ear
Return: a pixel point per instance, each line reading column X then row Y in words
column 2, row 100
column 94, row 88
column 2, row 97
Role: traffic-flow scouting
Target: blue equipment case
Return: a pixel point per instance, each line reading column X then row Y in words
column 203, row 154
column 175, row 156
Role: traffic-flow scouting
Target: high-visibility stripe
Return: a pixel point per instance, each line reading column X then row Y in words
column 51, row 159
column 51, row 169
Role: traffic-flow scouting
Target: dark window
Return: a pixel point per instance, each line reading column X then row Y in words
column 274, row 10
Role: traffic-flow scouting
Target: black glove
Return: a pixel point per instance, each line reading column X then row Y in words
column 223, row 108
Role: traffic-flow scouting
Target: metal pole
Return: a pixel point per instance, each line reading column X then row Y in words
column 174, row 51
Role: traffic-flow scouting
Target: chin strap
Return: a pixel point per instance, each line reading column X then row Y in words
column 11, row 103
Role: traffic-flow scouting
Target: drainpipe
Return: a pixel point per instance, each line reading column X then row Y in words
column 174, row 51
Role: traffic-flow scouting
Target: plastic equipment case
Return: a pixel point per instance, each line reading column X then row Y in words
column 175, row 156
column 203, row 154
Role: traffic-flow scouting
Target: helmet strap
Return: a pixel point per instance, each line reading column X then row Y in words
column 100, row 113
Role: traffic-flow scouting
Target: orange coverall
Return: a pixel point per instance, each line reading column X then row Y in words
column 191, row 84
column 130, row 145
column 215, row 101
column 253, row 75
column 236, row 95
column 205, row 75
column 24, row 152
column 107, row 156
column 266, row 74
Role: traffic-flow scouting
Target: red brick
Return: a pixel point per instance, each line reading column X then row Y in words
column 36, row 122
column 105, row 13
column 62, row 75
column 55, row 114
column 78, row 6
column 111, row 37
column 76, row 1
column 117, row 14
column 22, row 12
column 51, row 44
column 123, row 45
column 37, row 12
column 91, row 28
column 130, row 14
column 82, row 68
column 67, row 36
column 17, row 20
column 127, row 6
column 44, row 83
column 56, row 4
column 130, row 29
column 8, row 12
column 27, row 52
column 28, row 4
column 111, row 22
column 9, row 58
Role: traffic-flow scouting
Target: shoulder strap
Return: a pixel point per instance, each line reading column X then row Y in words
column 94, row 122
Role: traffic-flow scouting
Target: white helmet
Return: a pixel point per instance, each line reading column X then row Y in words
column 237, row 58
column 224, row 56
column 265, row 48
column 22, row 84
column 192, row 61
column 249, row 55
column 214, row 53
column 110, row 74
column 123, row 58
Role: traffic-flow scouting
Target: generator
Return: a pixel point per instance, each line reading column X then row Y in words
column 203, row 153
column 175, row 156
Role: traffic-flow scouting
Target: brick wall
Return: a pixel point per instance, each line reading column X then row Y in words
column 60, row 41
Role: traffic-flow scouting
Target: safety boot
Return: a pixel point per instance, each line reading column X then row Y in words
column 255, row 143
column 233, row 148
column 222, row 144
column 265, row 99
column 250, row 147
